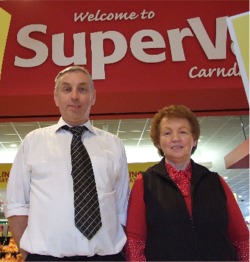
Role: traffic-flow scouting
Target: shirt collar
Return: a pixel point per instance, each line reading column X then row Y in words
column 61, row 123
column 172, row 171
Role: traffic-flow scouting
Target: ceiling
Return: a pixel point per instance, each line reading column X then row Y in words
column 219, row 135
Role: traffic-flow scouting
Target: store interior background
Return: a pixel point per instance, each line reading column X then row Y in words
column 219, row 136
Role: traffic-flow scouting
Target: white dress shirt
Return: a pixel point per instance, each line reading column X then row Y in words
column 40, row 186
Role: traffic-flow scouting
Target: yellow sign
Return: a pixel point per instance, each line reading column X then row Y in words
column 135, row 168
column 238, row 26
column 4, row 175
column 4, row 29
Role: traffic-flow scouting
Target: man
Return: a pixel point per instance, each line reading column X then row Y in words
column 40, row 198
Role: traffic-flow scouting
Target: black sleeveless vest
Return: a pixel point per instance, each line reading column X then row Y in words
column 172, row 235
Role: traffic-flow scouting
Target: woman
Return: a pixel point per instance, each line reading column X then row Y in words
column 178, row 209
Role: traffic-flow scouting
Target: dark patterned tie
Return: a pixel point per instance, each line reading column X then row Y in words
column 87, row 211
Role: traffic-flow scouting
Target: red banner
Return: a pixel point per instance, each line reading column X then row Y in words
column 142, row 55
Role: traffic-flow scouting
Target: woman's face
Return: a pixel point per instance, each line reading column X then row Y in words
column 176, row 140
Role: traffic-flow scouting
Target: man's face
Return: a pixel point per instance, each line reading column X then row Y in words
column 74, row 97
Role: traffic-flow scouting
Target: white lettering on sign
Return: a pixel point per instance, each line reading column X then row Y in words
column 99, row 60
column 217, row 51
column 140, row 44
column 99, row 16
column 199, row 73
column 79, row 53
column 104, row 16
column 40, row 49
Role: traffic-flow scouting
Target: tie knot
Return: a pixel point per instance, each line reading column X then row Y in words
column 75, row 130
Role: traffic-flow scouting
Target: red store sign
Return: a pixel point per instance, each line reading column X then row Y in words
column 142, row 55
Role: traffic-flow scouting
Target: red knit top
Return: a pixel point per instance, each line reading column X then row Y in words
column 136, row 224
